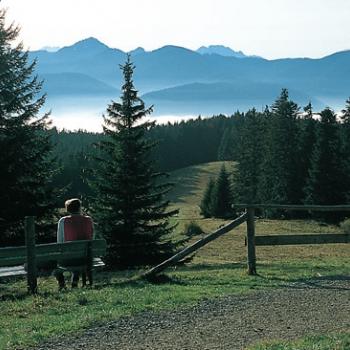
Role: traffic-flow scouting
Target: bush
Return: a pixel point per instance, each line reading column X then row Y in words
column 193, row 229
column 345, row 226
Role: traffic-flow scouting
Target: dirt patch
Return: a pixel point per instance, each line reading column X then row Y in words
column 234, row 322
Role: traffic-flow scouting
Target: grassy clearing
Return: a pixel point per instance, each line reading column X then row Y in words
column 216, row 270
column 339, row 341
column 27, row 320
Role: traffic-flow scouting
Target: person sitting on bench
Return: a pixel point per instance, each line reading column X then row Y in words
column 72, row 227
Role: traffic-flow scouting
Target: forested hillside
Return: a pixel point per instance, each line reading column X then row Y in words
column 285, row 154
column 178, row 145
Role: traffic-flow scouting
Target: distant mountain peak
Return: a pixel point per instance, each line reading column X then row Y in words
column 139, row 50
column 88, row 44
column 220, row 50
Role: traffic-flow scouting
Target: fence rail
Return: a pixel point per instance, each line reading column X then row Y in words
column 305, row 238
column 294, row 207
column 272, row 240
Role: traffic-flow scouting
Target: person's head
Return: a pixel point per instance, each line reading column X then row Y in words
column 73, row 206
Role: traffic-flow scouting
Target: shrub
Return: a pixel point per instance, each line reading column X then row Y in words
column 345, row 226
column 193, row 229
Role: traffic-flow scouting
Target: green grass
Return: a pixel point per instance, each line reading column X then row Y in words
column 27, row 320
column 218, row 269
column 339, row 341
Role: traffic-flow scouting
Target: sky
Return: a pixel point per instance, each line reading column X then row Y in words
column 269, row 28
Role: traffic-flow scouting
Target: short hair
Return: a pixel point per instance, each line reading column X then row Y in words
column 73, row 205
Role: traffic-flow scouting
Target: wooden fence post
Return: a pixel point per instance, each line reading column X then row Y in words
column 31, row 256
column 251, row 242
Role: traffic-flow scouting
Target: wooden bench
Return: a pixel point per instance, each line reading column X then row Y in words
column 31, row 258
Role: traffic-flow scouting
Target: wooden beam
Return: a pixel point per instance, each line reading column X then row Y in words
column 195, row 246
column 294, row 207
column 324, row 238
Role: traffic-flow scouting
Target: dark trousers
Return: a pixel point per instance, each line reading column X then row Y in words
column 61, row 281
column 74, row 280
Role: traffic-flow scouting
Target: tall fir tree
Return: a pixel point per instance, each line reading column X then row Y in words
column 129, row 206
column 25, row 157
column 279, row 163
column 221, row 196
column 325, row 185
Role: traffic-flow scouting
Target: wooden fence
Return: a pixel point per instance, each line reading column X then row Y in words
column 287, row 239
column 252, row 241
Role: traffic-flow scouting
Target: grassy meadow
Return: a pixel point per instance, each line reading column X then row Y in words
column 215, row 271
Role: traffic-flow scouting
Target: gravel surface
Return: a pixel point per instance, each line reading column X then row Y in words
column 233, row 322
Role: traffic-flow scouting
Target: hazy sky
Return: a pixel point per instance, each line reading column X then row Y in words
column 270, row 28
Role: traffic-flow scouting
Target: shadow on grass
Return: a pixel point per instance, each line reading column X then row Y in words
column 323, row 281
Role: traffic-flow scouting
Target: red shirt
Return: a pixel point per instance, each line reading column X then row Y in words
column 76, row 227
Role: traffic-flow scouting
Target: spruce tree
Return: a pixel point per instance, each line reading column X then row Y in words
column 278, row 172
column 129, row 206
column 206, row 203
column 325, row 185
column 221, row 197
column 26, row 167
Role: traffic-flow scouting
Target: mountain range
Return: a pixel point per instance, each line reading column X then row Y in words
column 213, row 79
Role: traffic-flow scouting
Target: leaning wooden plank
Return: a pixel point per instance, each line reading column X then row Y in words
column 305, row 238
column 195, row 246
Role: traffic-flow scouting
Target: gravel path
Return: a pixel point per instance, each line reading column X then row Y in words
column 231, row 323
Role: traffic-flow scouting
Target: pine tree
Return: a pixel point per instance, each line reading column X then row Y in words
column 278, row 172
column 221, row 197
column 206, row 203
column 129, row 206
column 326, row 174
column 26, row 167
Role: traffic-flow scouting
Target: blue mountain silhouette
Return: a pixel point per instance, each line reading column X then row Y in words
column 180, row 74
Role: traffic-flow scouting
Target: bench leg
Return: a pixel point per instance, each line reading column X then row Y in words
column 83, row 278
column 75, row 279
column 90, row 277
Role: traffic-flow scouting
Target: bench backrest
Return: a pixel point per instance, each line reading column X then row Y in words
column 11, row 256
